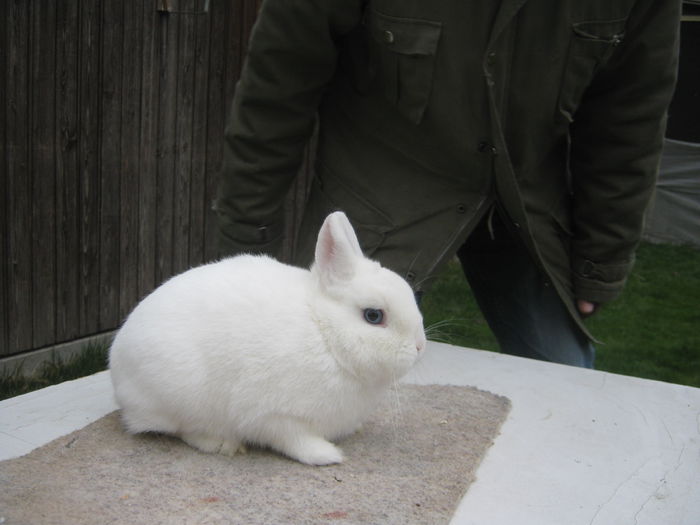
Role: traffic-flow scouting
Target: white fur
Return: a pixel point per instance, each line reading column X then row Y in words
column 249, row 350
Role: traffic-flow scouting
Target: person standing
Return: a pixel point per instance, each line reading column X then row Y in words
column 523, row 136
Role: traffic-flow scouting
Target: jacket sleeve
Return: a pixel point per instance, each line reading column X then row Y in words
column 291, row 58
column 616, row 142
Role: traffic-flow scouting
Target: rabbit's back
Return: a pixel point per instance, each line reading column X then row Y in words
column 230, row 300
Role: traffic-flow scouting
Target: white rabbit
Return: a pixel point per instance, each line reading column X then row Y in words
column 250, row 350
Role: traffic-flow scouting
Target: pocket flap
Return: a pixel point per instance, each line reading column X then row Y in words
column 407, row 36
column 608, row 31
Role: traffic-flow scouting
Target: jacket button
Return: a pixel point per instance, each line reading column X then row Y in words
column 587, row 269
column 485, row 147
column 388, row 37
column 491, row 59
column 410, row 276
column 461, row 208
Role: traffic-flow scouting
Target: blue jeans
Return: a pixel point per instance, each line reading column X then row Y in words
column 522, row 309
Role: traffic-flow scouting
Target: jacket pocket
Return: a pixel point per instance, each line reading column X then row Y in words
column 590, row 46
column 328, row 194
column 402, row 59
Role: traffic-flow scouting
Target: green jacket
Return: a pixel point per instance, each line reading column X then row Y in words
column 430, row 111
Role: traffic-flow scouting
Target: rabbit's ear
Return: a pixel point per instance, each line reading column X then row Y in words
column 337, row 249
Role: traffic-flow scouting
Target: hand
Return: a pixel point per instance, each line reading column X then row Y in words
column 586, row 308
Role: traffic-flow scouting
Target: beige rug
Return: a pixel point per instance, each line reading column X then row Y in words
column 410, row 464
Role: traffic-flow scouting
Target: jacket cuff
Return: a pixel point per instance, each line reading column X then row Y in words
column 599, row 282
column 237, row 238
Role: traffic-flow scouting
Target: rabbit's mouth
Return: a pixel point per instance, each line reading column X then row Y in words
column 421, row 342
column 405, row 358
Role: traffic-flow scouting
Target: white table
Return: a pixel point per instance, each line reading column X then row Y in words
column 579, row 446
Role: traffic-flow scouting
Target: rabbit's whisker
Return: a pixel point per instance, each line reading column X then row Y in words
column 439, row 331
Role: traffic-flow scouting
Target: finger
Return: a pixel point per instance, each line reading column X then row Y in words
column 585, row 308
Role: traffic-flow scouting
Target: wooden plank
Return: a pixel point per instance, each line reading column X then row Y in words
column 88, row 156
column 169, row 25
column 43, row 152
column 4, row 169
column 4, row 225
column 148, row 164
column 130, row 156
column 198, row 191
column 183, row 138
column 19, row 194
column 67, row 174
column 222, row 17
column 110, row 161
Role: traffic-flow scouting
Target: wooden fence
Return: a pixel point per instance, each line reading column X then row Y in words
column 111, row 127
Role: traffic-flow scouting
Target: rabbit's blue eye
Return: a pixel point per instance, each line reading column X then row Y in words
column 374, row 315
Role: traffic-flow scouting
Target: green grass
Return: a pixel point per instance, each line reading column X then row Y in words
column 91, row 359
column 651, row 331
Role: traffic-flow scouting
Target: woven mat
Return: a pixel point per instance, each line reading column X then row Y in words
column 411, row 463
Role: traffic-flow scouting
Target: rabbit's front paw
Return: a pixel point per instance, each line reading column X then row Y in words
column 296, row 440
column 318, row 452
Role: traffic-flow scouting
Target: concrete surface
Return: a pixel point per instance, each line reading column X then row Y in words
column 579, row 446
